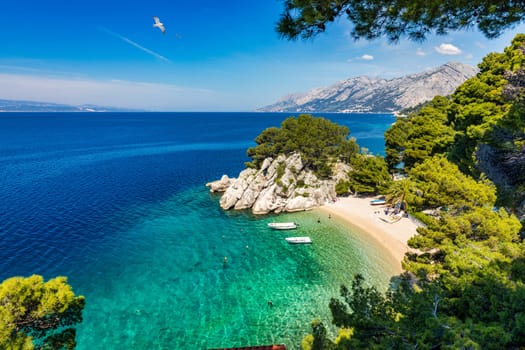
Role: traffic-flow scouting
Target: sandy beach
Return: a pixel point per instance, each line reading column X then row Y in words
column 358, row 212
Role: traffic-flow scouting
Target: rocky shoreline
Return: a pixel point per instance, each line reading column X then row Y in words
column 280, row 185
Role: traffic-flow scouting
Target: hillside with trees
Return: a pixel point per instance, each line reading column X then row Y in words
column 464, row 284
column 480, row 128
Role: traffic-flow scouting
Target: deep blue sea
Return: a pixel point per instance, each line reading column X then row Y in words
column 117, row 203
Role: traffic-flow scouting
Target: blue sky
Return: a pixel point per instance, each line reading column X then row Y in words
column 215, row 55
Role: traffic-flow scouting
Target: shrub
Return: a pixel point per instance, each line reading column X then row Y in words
column 342, row 188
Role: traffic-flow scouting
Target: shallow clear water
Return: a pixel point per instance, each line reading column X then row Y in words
column 117, row 203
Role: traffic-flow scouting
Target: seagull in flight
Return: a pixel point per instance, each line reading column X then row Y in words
column 159, row 24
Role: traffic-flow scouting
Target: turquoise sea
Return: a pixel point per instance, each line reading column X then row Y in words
column 117, row 203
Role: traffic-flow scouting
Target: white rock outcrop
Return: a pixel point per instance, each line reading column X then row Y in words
column 281, row 184
column 219, row 185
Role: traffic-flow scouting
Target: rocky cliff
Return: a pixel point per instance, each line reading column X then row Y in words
column 364, row 94
column 280, row 185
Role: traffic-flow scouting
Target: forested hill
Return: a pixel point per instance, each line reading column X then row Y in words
column 481, row 127
column 365, row 94
column 464, row 285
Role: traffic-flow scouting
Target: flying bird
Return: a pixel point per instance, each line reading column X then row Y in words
column 159, row 24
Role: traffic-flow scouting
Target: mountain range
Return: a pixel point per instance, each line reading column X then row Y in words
column 35, row 106
column 377, row 95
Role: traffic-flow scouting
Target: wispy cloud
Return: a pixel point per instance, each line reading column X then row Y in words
column 420, row 52
column 134, row 44
column 480, row 45
column 448, row 49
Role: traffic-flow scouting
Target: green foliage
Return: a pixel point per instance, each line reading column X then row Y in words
column 320, row 340
column 400, row 193
column 34, row 313
column 414, row 139
column 344, row 335
column 403, row 318
column 466, row 242
column 342, row 188
column 464, row 285
column 396, row 19
column 281, row 167
column 484, row 115
column 307, row 342
column 319, row 141
column 441, row 184
column 395, row 142
column 429, row 133
column 424, row 316
column 348, row 150
column 481, row 127
column 369, row 174
column 363, row 307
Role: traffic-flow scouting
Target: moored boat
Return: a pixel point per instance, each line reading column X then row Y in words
column 298, row 240
column 282, row 225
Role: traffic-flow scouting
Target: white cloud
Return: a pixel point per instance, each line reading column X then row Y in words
column 420, row 53
column 448, row 49
column 367, row 57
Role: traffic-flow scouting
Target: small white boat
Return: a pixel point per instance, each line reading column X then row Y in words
column 282, row 225
column 298, row 240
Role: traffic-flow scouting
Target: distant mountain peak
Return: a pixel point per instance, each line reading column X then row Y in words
column 37, row 106
column 366, row 94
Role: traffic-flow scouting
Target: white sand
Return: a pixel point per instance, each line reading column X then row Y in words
column 359, row 213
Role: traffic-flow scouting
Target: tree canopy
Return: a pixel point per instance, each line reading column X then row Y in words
column 319, row 141
column 38, row 315
column 395, row 19
column 369, row 174
column 440, row 183
column 426, row 133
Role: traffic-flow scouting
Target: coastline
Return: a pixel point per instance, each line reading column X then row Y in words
column 357, row 212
